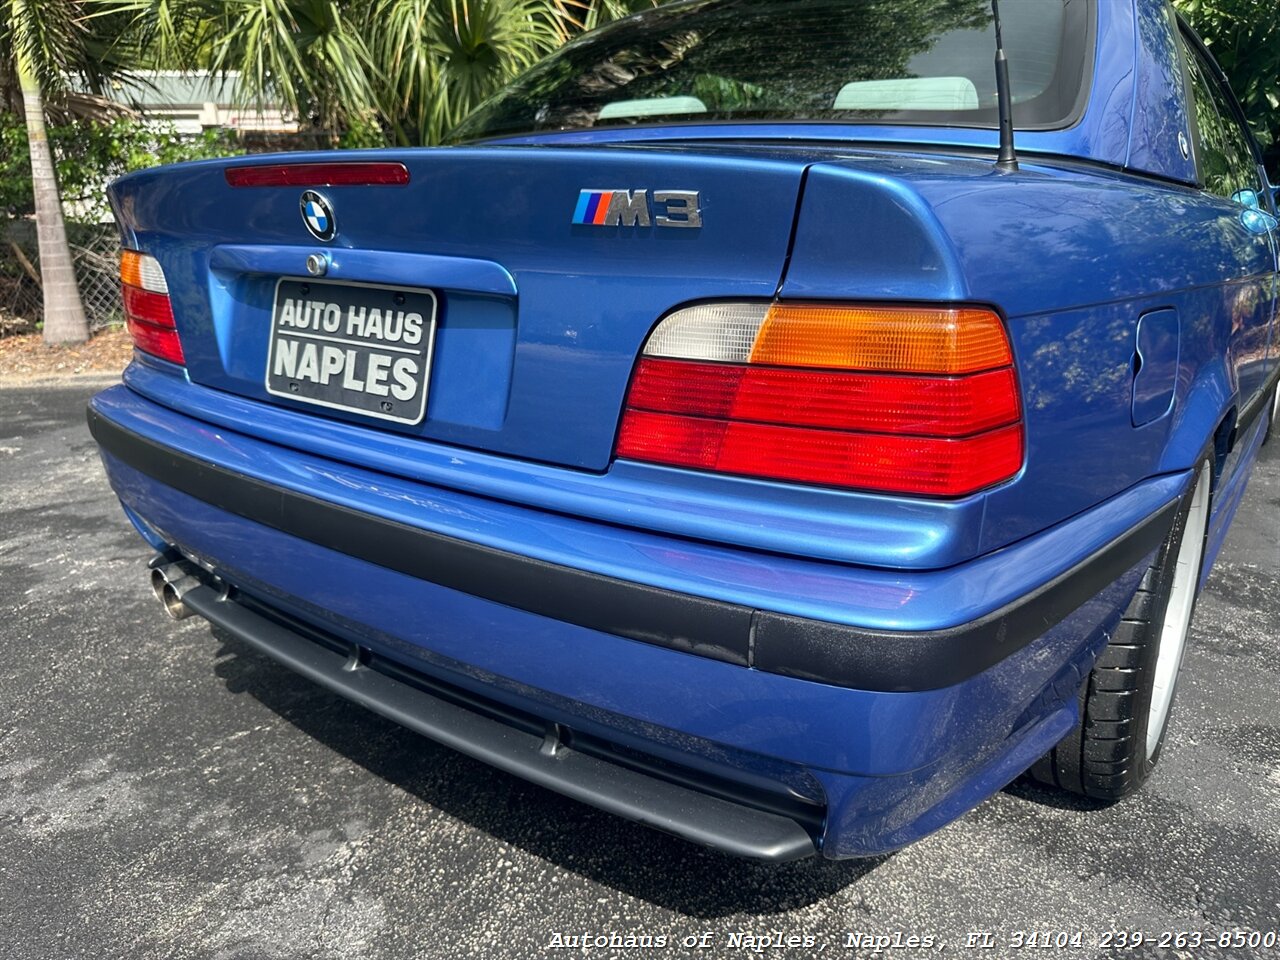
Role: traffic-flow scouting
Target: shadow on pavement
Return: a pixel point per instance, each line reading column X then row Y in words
column 1024, row 788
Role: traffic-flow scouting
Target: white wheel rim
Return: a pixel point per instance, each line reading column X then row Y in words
column 1177, row 616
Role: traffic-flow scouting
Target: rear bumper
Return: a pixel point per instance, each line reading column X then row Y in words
column 905, row 730
column 792, row 646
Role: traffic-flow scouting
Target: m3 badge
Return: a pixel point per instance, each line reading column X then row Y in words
column 633, row 208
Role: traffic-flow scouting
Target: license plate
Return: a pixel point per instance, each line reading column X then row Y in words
column 358, row 347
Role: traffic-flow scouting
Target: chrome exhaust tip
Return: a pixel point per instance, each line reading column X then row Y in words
column 170, row 582
column 171, row 596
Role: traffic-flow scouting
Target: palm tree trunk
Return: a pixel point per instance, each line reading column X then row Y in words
column 64, row 320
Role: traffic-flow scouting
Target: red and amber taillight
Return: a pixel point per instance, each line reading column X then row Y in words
column 911, row 400
column 147, row 310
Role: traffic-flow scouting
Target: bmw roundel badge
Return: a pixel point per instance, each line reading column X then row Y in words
column 317, row 214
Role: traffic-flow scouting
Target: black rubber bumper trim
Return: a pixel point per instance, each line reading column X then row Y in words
column 812, row 650
column 777, row 643
column 712, row 821
column 695, row 625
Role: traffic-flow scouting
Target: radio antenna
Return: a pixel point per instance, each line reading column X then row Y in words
column 1007, row 160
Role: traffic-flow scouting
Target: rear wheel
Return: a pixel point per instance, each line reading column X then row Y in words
column 1125, row 703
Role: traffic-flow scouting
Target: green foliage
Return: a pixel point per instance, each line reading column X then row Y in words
column 440, row 58
column 1244, row 37
column 318, row 45
column 365, row 72
column 59, row 40
column 362, row 132
column 46, row 37
column 90, row 154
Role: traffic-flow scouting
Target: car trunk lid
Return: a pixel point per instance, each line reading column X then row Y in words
column 542, row 301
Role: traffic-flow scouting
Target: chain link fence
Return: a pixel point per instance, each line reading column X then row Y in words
column 95, row 248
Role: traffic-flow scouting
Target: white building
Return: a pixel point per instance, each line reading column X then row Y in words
column 197, row 101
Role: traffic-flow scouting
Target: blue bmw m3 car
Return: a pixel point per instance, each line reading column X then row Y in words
column 740, row 428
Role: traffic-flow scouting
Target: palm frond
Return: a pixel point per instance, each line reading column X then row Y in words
column 46, row 38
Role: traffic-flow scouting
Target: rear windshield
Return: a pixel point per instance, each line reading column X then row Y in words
column 862, row 61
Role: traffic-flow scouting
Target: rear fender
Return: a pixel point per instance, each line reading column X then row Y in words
column 1202, row 408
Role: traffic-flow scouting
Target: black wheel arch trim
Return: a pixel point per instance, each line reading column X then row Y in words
column 1254, row 408
column 765, row 640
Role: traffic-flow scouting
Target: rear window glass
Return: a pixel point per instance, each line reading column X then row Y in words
column 867, row 61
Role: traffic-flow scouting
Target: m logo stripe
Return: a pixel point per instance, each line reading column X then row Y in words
column 602, row 207
column 584, row 200
column 593, row 207
column 632, row 208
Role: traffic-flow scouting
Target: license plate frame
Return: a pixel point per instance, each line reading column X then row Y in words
column 309, row 322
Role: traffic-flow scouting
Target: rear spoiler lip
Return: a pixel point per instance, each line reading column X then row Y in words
column 550, row 760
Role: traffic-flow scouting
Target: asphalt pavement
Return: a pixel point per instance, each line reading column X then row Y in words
column 167, row 794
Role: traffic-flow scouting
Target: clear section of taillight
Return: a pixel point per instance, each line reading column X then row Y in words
column 723, row 332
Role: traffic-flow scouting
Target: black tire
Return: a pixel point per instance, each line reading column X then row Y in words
column 1275, row 412
column 1111, row 751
